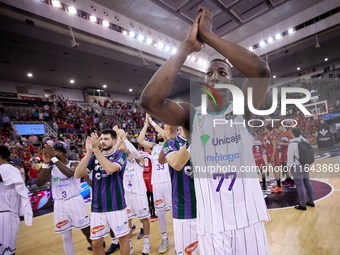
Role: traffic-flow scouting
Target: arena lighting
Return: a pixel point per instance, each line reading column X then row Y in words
column 274, row 76
column 326, row 59
column 72, row 10
column 290, row 31
column 149, row 41
column 167, row 48
column 188, row 57
column 124, row 32
column 130, row 90
column 71, row 81
column 56, row 4
column 98, row 90
column 30, row 75
column 105, row 23
column 140, row 38
column 262, row 43
column 193, row 58
column 270, row 40
column 104, row 86
column 251, row 48
column 93, row 18
column 132, row 34
column 278, row 36
column 173, row 51
column 199, row 61
column 160, row 45
column 155, row 45
column 298, row 68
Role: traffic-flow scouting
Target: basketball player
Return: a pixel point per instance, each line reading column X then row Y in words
column 273, row 158
column 13, row 202
column 160, row 178
column 135, row 190
column 259, row 160
column 230, row 212
column 284, row 140
column 183, row 194
column 108, row 204
column 69, row 206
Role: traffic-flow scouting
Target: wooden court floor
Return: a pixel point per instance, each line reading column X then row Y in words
column 290, row 231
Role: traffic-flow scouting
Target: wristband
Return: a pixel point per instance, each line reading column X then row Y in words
column 45, row 165
column 54, row 160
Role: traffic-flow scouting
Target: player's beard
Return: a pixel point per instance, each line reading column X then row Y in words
column 107, row 149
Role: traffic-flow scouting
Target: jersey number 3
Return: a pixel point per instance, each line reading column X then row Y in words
column 64, row 194
column 225, row 176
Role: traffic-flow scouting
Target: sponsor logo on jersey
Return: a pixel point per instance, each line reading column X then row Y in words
column 121, row 161
column 158, row 202
column 204, row 139
column 226, row 140
column 188, row 170
column 200, row 123
column 96, row 229
column 128, row 210
column 167, row 150
column 56, row 179
column 191, row 248
column 224, row 157
column 61, row 224
column 100, row 175
column 80, row 222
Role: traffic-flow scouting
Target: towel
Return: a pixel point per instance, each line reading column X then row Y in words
column 11, row 175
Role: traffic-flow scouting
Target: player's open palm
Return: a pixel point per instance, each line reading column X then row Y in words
column 89, row 148
column 205, row 23
column 46, row 157
column 192, row 37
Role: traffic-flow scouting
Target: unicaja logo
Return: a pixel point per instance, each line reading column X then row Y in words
column 204, row 97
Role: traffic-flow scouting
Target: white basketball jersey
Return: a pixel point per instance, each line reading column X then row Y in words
column 62, row 186
column 160, row 172
column 225, row 200
column 133, row 178
column 9, row 197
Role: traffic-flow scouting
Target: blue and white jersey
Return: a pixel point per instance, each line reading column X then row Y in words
column 160, row 172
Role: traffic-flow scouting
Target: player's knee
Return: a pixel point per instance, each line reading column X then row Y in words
column 97, row 244
column 124, row 239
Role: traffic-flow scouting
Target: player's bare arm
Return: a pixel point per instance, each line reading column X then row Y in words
column 141, row 138
column 87, row 179
column 106, row 164
column 154, row 96
column 81, row 169
column 45, row 173
column 273, row 142
column 158, row 128
column 247, row 62
column 177, row 160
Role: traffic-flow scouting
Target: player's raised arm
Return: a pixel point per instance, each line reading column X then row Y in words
column 244, row 60
column 45, row 172
column 154, row 96
column 135, row 153
column 141, row 137
column 81, row 169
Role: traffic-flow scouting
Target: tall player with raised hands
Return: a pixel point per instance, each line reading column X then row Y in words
column 230, row 211
column 160, row 179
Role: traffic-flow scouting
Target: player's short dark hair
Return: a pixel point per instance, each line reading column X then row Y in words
column 220, row 59
column 135, row 144
column 60, row 148
column 4, row 152
column 110, row 132
column 296, row 132
column 269, row 128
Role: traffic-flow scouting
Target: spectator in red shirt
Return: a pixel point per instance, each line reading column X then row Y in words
column 33, row 175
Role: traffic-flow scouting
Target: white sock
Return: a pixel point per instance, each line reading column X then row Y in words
column 146, row 239
column 141, row 225
column 114, row 240
column 68, row 242
column 164, row 236
column 130, row 243
column 162, row 220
